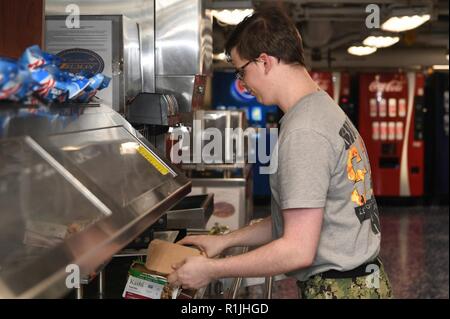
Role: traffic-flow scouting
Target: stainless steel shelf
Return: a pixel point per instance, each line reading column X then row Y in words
column 192, row 212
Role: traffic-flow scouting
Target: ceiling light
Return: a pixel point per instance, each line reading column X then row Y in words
column 231, row 17
column 220, row 56
column 70, row 148
column 404, row 23
column 440, row 67
column 361, row 50
column 380, row 41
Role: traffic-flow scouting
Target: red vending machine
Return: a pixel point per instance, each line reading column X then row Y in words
column 391, row 124
column 337, row 85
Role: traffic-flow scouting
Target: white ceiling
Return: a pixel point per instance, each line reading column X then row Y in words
column 329, row 27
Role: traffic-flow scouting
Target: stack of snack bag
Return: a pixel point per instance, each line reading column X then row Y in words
column 37, row 75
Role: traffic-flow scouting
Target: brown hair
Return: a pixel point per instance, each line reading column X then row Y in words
column 270, row 31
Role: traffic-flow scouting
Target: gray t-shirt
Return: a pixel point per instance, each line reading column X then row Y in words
column 322, row 162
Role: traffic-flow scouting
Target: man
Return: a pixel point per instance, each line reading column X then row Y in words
column 324, row 226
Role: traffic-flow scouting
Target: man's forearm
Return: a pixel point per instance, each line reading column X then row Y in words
column 253, row 235
column 274, row 258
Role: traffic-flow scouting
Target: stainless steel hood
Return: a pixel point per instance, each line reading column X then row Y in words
column 175, row 40
column 77, row 184
column 183, row 50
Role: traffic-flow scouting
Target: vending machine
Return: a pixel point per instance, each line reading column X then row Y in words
column 391, row 122
column 338, row 86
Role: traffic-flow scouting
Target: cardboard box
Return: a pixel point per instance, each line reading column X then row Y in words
column 149, row 280
column 161, row 255
column 142, row 284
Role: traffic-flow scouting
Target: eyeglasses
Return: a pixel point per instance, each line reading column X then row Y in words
column 240, row 72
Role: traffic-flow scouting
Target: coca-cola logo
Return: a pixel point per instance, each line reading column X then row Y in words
column 391, row 86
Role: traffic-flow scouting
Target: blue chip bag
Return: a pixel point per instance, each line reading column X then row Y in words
column 77, row 86
column 86, row 74
column 24, row 88
column 105, row 83
column 32, row 58
column 51, row 59
column 15, row 83
column 46, row 85
column 36, row 76
column 8, row 70
column 9, row 83
column 91, row 89
column 96, row 83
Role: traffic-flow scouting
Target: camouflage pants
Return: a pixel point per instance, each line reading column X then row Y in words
column 372, row 286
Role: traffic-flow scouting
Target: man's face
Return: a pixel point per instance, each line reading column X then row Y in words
column 248, row 72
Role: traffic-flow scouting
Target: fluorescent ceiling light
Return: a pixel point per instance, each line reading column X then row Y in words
column 440, row 67
column 70, row 148
column 404, row 23
column 231, row 17
column 220, row 56
column 380, row 41
column 361, row 50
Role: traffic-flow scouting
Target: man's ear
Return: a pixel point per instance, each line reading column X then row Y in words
column 268, row 61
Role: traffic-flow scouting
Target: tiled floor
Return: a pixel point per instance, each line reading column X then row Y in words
column 414, row 250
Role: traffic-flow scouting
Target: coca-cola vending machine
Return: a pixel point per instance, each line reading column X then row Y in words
column 391, row 124
column 337, row 85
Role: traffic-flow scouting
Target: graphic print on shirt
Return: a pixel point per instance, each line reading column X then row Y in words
column 358, row 173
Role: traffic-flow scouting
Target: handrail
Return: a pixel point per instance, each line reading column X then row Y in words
column 234, row 290
column 236, row 285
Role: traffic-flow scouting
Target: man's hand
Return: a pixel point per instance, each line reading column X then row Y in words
column 192, row 273
column 212, row 245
